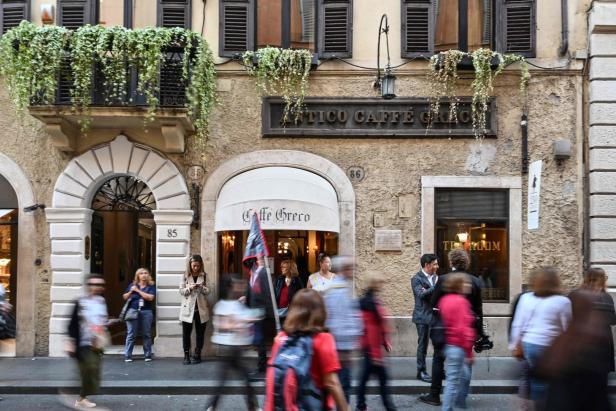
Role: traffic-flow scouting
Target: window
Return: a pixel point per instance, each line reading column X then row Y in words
column 322, row 26
column 477, row 221
column 174, row 13
column 12, row 13
column 430, row 26
column 73, row 14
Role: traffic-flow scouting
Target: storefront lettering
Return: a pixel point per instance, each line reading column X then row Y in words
column 279, row 215
column 473, row 246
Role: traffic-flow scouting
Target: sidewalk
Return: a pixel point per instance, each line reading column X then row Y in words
column 168, row 376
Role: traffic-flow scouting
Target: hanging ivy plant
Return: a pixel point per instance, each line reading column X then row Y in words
column 282, row 72
column 31, row 56
column 443, row 76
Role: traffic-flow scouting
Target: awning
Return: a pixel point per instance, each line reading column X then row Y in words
column 285, row 198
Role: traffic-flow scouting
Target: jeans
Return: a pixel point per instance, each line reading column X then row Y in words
column 423, row 332
column 233, row 361
column 199, row 331
column 368, row 368
column 345, row 375
column 458, row 378
column 538, row 387
column 143, row 322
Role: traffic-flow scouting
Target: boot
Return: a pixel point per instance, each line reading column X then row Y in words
column 186, row 357
column 197, row 357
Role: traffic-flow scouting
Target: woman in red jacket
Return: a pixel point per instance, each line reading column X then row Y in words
column 458, row 320
column 375, row 343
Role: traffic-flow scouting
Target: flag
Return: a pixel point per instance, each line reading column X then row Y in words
column 256, row 248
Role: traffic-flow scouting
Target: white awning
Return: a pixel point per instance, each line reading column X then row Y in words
column 285, row 198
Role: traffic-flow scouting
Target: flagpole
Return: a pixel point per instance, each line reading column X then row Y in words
column 273, row 297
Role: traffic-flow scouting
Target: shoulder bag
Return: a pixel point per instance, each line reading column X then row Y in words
column 128, row 314
column 518, row 350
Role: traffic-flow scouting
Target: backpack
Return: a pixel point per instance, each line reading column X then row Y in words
column 294, row 389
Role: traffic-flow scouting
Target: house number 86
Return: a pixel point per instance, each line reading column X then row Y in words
column 172, row 233
column 356, row 174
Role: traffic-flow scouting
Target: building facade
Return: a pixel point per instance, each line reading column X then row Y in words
column 358, row 175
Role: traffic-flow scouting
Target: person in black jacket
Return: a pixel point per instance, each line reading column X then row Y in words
column 423, row 284
column 459, row 261
column 287, row 284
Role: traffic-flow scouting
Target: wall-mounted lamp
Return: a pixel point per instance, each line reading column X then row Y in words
column 462, row 237
column 561, row 150
column 195, row 175
column 386, row 82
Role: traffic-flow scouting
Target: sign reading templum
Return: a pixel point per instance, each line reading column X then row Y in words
column 373, row 117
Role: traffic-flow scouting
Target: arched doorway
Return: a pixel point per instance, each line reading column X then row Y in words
column 8, row 265
column 119, row 176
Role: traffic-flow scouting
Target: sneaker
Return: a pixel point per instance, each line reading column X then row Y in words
column 85, row 403
column 128, row 360
column 148, row 359
column 430, row 399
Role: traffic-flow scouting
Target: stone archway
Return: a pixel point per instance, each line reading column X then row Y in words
column 26, row 244
column 280, row 158
column 69, row 221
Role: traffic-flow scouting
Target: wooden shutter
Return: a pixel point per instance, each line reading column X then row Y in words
column 73, row 14
column 516, row 27
column 418, row 22
column 174, row 13
column 12, row 13
column 237, row 27
column 335, row 28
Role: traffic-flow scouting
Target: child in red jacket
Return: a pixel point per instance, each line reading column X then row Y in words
column 375, row 343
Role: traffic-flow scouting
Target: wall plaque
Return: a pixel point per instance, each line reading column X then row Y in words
column 388, row 240
column 357, row 117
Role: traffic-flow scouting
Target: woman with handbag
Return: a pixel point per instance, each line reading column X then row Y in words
column 138, row 313
column 195, row 310
column 287, row 284
column 540, row 317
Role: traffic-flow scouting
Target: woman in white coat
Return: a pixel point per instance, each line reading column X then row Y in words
column 194, row 308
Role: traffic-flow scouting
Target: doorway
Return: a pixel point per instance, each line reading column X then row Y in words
column 123, row 240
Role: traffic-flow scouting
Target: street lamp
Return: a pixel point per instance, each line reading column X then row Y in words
column 386, row 83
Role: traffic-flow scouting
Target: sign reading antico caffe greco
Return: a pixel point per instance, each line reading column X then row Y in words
column 373, row 117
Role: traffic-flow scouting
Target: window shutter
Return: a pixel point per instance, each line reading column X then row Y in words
column 516, row 27
column 417, row 28
column 174, row 13
column 335, row 25
column 73, row 14
column 237, row 27
column 12, row 13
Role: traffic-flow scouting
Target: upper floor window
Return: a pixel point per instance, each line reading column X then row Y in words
column 321, row 26
column 12, row 13
column 430, row 26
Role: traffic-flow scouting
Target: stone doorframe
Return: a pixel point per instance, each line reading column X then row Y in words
column 514, row 187
column 26, row 246
column 70, row 219
column 279, row 158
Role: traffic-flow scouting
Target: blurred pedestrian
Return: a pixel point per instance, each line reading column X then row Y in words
column 140, row 295
column 375, row 342
column 287, row 284
column 232, row 322
column 578, row 362
column 195, row 311
column 459, row 324
column 322, row 278
column 423, row 284
column 459, row 262
column 303, row 370
column 88, row 338
column 343, row 318
column 524, row 383
column 540, row 317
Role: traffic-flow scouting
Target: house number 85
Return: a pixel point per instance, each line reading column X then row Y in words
column 172, row 233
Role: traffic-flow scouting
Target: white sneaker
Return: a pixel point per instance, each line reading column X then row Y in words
column 85, row 403
column 148, row 359
column 128, row 360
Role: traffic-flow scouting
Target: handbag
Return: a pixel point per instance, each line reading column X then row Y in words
column 518, row 350
column 128, row 314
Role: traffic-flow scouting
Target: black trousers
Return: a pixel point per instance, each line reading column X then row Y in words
column 438, row 371
column 423, row 335
column 232, row 361
column 368, row 368
column 199, row 330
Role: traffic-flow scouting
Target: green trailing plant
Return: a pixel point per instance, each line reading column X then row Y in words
column 31, row 57
column 282, row 72
column 443, row 76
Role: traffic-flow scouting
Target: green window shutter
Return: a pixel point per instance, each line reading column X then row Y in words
column 12, row 13
column 516, row 27
column 236, row 27
column 418, row 26
column 335, row 26
column 73, row 14
column 174, row 13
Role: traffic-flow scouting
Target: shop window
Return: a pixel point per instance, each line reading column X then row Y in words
column 12, row 13
column 430, row 26
column 8, row 253
column 321, row 26
column 478, row 222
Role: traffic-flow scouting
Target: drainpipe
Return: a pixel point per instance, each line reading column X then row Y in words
column 564, row 34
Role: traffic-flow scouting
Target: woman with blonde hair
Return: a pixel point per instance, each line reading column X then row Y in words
column 287, row 284
column 194, row 310
column 140, row 295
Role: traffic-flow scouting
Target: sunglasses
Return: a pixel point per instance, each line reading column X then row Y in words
column 96, row 284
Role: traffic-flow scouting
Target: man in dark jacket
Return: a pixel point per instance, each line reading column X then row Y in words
column 459, row 261
column 423, row 284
